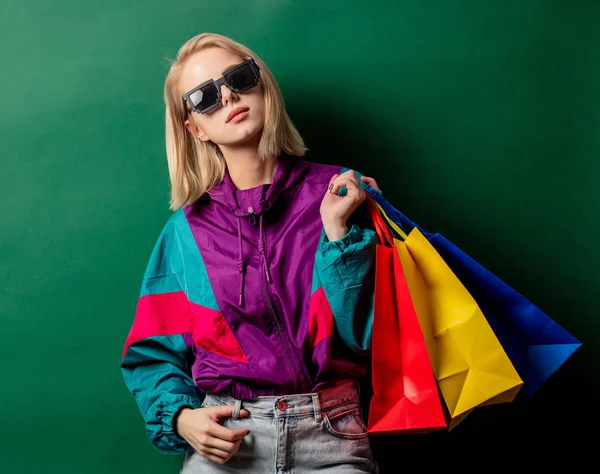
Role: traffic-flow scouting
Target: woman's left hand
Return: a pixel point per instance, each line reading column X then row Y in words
column 335, row 210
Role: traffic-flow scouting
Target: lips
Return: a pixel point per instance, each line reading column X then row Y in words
column 236, row 111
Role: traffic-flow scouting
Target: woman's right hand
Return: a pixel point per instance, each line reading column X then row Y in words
column 201, row 429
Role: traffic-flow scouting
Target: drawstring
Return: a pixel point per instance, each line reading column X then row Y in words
column 241, row 263
column 261, row 249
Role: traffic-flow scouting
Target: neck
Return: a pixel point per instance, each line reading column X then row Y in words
column 246, row 170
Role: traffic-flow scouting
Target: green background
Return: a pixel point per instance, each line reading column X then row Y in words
column 479, row 119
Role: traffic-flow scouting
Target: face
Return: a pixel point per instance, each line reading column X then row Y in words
column 214, row 126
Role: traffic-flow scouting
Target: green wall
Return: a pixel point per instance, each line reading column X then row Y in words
column 479, row 119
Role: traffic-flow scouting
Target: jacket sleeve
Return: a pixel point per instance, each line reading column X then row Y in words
column 346, row 269
column 156, row 359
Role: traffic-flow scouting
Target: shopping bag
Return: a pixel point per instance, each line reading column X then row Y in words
column 470, row 365
column 405, row 394
column 536, row 344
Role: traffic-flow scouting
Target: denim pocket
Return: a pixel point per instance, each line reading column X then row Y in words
column 346, row 424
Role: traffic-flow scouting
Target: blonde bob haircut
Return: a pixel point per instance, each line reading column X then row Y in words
column 196, row 166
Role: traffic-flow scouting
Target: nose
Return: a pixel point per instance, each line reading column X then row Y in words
column 227, row 94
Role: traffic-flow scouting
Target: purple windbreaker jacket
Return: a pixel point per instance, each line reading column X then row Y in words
column 244, row 293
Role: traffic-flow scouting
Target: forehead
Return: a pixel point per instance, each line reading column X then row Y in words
column 204, row 65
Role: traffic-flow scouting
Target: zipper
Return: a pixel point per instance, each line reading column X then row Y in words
column 288, row 361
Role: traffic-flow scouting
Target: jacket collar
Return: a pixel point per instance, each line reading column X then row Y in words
column 259, row 199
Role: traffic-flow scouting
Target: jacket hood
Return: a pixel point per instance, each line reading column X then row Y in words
column 255, row 202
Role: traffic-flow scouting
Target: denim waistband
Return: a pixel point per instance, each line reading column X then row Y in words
column 297, row 405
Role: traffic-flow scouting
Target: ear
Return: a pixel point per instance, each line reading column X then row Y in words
column 195, row 130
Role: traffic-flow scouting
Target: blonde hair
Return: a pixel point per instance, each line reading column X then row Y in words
column 195, row 166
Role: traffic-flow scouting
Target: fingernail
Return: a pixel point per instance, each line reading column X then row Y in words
column 247, row 433
column 330, row 187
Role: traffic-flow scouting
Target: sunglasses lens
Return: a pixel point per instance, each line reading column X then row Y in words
column 242, row 78
column 239, row 80
column 205, row 97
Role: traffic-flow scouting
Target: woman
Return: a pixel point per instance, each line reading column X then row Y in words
column 258, row 293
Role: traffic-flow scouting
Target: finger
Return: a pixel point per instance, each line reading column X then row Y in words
column 351, row 174
column 352, row 187
column 331, row 182
column 213, row 441
column 220, row 453
column 343, row 180
column 220, row 411
column 371, row 182
column 216, row 459
column 227, row 434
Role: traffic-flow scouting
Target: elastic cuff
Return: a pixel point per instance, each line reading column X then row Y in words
column 353, row 236
column 168, row 440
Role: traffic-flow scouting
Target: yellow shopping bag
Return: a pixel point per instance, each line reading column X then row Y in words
column 470, row 365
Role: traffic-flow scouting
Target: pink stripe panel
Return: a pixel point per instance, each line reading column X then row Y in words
column 169, row 314
column 320, row 317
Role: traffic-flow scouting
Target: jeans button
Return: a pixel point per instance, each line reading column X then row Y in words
column 282, row 405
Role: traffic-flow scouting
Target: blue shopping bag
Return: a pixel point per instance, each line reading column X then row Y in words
column 536, row 345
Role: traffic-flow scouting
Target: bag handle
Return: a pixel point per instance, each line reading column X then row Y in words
column 398, row 221
column 391, row 224
column 382, row 231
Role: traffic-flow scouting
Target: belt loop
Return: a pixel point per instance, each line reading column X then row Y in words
column 236, row 408
column 316, row 406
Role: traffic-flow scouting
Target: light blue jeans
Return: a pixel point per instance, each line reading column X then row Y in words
column 322, row 431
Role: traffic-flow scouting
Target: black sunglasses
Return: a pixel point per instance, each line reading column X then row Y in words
column 207, row 96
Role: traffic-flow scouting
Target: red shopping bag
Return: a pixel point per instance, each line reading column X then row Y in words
column 405, row 393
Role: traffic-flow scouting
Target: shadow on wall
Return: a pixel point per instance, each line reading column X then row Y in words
column 529, row 432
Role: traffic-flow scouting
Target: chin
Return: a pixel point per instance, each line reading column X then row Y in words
column 248, row 132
